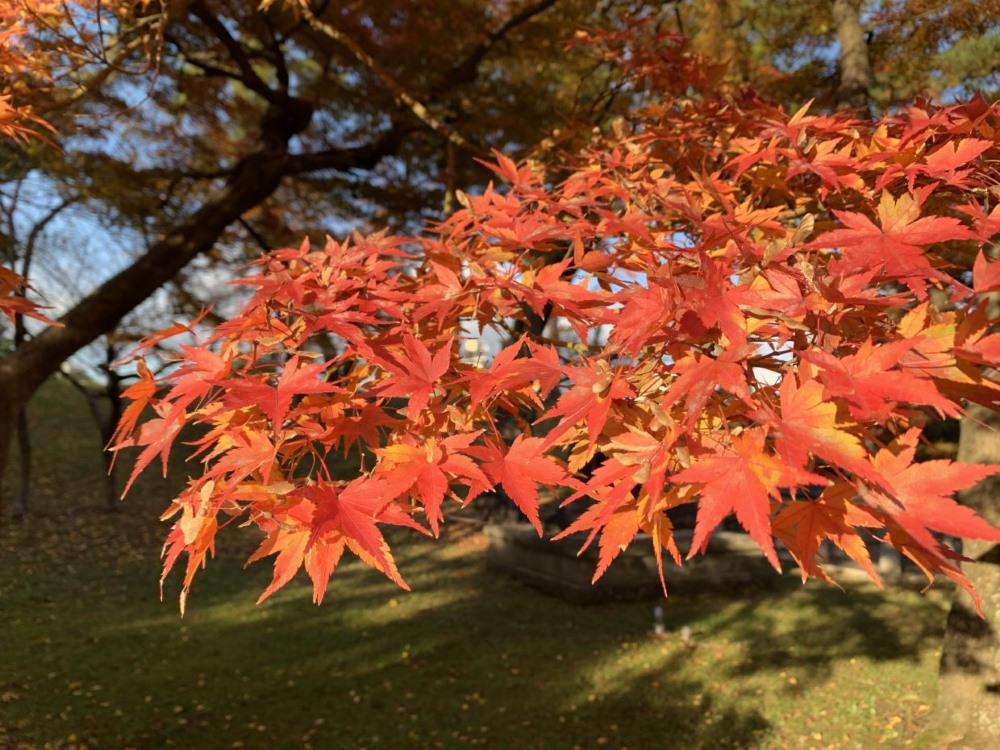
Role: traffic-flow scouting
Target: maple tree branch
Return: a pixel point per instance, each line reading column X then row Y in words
column 91, row 84
column 278, row 55
column 577, row 345
column 101, row 310
column 255, row 235
column 526, row 14
column 39, row 227
column 252, row 179
column 211, row 70
column 20, row 330
column 418, row 108
column 248, row 76
column 466, row 71
column 346, row 159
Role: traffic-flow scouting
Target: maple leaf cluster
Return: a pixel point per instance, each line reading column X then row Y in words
column 747, row 310
column 12, row 300
column 19, row 22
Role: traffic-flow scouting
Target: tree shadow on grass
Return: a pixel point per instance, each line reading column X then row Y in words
column 470, row 659
column 826, row 626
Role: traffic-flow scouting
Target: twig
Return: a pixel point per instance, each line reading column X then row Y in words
column 389, row 81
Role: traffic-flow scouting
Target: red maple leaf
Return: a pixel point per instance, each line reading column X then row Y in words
column 931, row 555
column 320, row 561
column 974, row 341
column 428, row 469
column 871, row 381
column 700, row 376
column 440, row 298
column 642, row 315
column 661, row 530
column 289, row 545
column 710, row 299
column 12, row 300
column 616, row 521
column 616, row 535
column 895, row 245
column 416, row 376
column 985, row 276
column 248, row 451
column 157, row 437
column 595, row 387
column 809, row 424
column 140, row 393
column 355, row 511
column 276, row 400
column 919, row 495
column 647, row 456
column 803, row 524
column 509, row 374
column 519, row 470
column 741, row 478
column 944, row 163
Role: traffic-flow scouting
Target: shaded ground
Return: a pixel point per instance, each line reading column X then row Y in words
column 91, row 658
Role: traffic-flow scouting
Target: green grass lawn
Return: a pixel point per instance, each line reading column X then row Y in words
column 90, row 657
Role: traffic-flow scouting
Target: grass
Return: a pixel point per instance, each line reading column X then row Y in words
column 90, row 658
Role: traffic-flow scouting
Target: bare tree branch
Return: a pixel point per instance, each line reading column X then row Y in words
column 389, row 81
column 346, row 159
column 466, row 71
column 248, row 76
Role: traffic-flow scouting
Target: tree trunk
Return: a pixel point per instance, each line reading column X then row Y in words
column 114, row 396
column 968, row 705
column 8, row 417
column 24, row 462
column 22, row 371
column 105, row 424
column 855, row 69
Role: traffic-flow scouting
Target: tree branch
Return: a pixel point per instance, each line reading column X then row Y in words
column 467, row 70
column 389, row 81
column 248, row 76
column 28, row 256
column 346, row 159
column 255, row 235
column 213, row 71
column 277, row 56
column 84, row 88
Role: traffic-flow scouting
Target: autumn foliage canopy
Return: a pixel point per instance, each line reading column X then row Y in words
column 765, row 310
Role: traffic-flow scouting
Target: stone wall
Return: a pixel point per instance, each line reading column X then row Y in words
column 733, row 561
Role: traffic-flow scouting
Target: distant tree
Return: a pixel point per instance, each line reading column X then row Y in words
column 899, row 50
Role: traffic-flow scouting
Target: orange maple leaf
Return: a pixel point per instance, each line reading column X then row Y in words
column 896, row 244
column 803, row 524
column 428, row 469
column 416, row 376
column 741, row 478
column 519, row 470
column 809, row 424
